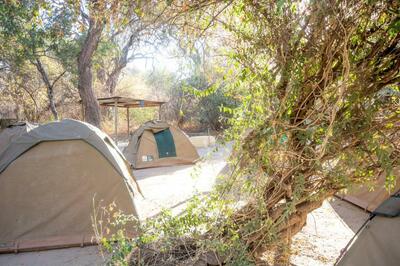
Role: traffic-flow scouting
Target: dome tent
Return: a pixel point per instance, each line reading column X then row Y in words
column 376, row 242
column 157, row 143
column 51, row 177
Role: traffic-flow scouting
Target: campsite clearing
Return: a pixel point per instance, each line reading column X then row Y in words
column 319, row 243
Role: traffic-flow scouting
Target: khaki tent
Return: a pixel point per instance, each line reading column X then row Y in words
column 157, row 143
column 370, row 198
column 376, row 243
column 51, row 180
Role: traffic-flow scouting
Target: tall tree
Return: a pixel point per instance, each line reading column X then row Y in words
column 85, row 58
column 319, row 86
column 313, row 75
column 49, row 85
column 31, row 30
column 138, row 39
column 124, row 24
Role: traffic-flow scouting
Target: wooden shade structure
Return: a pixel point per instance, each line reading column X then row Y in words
column 126, row 102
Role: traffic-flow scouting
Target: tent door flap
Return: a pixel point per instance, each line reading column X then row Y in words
column 165, row 143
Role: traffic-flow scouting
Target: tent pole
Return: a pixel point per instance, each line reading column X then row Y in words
column 127, row 120
column 116, row 120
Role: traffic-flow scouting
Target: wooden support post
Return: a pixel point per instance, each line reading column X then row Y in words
column 127, row 120
column 116, row 121
column 159, row 112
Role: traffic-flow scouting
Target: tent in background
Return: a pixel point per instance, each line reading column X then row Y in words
column 376, row 243
column 157, row 143
column 51, row 180
column 12, row 132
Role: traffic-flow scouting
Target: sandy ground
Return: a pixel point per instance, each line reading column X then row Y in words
column 172, row 187
column 328, row 228
column 70, row 256
column 327, row 232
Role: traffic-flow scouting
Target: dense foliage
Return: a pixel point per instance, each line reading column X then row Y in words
column 35, row 44
column 56, row 57
column 319, row 87
column 322, row 102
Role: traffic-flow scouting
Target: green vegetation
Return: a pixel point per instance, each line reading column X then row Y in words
column 307, row 90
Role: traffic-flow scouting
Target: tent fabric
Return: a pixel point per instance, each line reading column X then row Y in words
column 389, row 208
column 377, row 244
column 165, row 143
column 12, row 132
column 368, row 199
column 54, row 182
column 142, row 150
column 377, row 241
column 67, row 129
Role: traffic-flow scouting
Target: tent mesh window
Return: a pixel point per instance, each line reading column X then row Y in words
column 165, row 144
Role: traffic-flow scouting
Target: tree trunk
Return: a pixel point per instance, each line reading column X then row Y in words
column 49, row 86
column 112, row 79
column 121, row 62
column 85, row 82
